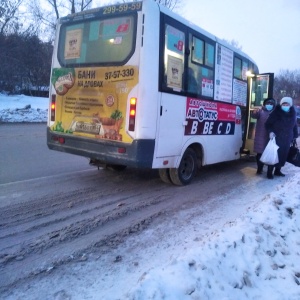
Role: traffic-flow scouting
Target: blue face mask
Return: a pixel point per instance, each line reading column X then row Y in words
column 285, row 108
column 269, row 107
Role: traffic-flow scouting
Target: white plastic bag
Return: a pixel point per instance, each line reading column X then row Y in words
column 270, row 154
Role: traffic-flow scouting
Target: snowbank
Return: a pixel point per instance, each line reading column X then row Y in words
column 21, row 108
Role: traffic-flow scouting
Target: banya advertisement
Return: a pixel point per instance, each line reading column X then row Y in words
column 211, row 118
column 92, row 102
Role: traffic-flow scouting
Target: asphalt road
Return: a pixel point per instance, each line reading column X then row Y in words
column 24, row 154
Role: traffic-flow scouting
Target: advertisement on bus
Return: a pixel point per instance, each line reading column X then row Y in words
column 211, row 118
column 92, row 102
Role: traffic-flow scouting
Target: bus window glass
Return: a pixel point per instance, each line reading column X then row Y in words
column 200, row 80
column 244, row 70
column 206, row 79
column 198, row 50
column 174, row 58
column 193, row 86
column 260, row 87
column 209, row 55
column 96, row 42
column 200, row 69
column 175, row 40
column 237, row 68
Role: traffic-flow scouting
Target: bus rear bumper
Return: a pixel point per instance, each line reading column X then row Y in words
column 138, row 154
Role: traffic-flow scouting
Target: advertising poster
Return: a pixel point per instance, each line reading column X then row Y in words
column 73, row 44
column 174, row 75
column 207, row 87
column 223, row 74
column 239, row 92
column 92, row 102
column 211, row 118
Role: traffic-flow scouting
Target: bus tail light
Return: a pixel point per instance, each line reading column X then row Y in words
column 53, row 107
column 58, row 139
column 121, row 150
column 132, row 114
column 61, row 140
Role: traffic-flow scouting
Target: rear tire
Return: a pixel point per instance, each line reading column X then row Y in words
column 186, row 171
column 164, row 175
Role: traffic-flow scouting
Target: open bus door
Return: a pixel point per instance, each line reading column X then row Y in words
column 260, row 88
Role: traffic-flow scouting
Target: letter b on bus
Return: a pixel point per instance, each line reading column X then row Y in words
column 194, row 127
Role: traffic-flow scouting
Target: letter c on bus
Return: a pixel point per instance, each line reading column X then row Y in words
column 219, row 128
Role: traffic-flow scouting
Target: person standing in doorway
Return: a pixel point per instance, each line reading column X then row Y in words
column 282, row 125
column 261, row 137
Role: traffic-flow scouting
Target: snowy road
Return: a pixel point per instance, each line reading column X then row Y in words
column 54, row 220
column 84, row 234
column 25, row 155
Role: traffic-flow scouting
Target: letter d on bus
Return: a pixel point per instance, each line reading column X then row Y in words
column 228, row 128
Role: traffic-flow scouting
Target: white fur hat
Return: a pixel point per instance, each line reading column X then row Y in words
column 288, row 100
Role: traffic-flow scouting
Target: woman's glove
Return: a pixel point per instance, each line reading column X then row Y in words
column 272, row 135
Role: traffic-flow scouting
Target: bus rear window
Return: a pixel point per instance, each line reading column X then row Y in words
column 97, row 42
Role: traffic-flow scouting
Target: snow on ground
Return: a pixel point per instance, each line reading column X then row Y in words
column 21, row 108
column 254, row 257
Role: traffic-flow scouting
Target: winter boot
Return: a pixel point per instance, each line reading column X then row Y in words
column 278, row 172
column 270, row 172
column 260, row 165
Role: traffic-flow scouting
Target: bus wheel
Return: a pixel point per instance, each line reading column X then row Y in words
column 116, row 167
column 164, row 175
column 186, row 170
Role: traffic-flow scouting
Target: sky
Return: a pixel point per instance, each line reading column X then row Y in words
column 254, row 256
column 267, row 30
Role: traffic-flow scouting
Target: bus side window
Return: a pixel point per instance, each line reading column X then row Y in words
column 174, row 58
column 192, row 82
column 237, row 68
column 202, row 64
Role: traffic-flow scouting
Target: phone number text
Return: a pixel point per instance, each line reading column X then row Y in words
column 122, row 8
column 119, row 74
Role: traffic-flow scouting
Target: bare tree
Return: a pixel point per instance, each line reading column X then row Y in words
column 287, row 83
column 171, row 4
column 236, row 44
column 8, row 15
column 70, row 6
column 46, row 15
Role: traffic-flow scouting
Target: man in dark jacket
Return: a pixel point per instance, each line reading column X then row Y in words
column 282, row 124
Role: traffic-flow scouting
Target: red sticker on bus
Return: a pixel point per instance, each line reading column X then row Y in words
column 123, row 27
column 180, row 45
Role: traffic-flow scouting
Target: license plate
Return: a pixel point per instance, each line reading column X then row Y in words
column 87, row 127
